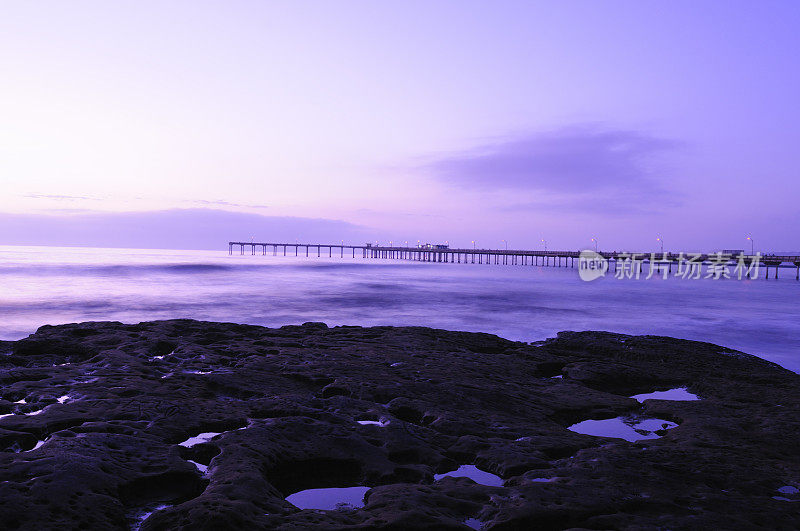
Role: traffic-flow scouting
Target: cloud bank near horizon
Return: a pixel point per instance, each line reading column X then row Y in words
column 169, row 229
column 572, row 166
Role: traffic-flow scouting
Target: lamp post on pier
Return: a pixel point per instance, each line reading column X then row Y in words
column 752, row 246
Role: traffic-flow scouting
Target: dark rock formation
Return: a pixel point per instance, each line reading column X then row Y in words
column 113, row 402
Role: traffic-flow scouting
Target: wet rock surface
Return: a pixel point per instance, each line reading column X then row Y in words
column 286, row 405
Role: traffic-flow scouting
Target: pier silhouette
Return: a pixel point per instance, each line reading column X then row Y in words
column 445, row 254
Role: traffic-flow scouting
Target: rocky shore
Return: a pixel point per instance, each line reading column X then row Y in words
column 195, row 425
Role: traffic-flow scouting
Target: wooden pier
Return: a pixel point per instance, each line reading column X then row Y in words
column 490, row 256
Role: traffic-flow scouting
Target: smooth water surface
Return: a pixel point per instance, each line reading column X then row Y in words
column 680, row 394
column 200, row 438
column 623, row 428
column 45, row 285
column 475, row 474
column 329, row 499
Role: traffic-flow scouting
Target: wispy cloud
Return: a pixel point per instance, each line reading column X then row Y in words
column 573, row 165
column 212, row 203
column 57, row 197
column 203, row 203
column 401, row 214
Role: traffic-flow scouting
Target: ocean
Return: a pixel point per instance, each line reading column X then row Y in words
column 52, row 285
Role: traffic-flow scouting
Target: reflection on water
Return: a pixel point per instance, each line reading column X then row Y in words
column 623, row 428
column 57, row 285
column 200, row 438
column 339, row 498
column 475, row 474
column 678, row 394
column 381, row 423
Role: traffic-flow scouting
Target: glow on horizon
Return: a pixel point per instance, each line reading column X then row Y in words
column 383, row 115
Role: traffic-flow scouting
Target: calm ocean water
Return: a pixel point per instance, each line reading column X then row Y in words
column 45, row 285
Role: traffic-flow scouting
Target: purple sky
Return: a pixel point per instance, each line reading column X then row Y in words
column 443, row 120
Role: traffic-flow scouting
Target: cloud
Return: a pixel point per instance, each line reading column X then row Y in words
column 400, row 214
column 202, row 203
column 170, row 229
column 206, row 203
column 572, row 165
column 62, row 197
column 619, row 204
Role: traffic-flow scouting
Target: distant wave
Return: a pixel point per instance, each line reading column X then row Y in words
column 127, row 270
column 109, row 270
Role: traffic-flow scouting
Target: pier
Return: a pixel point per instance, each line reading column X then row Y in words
column 516, row 257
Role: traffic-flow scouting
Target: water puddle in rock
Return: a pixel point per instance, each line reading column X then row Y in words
column 208, row 435
column 61, row 400
column 200, row 438
column 22, row 413
column 473, row 523
column 142, row 516
column 381, row 423
column 155, row 358
column 475, row 474
column 341, row 498
column 628, row 428
column 677, row 394
column 17, row 449
column 200, row 466
column 788, row 490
